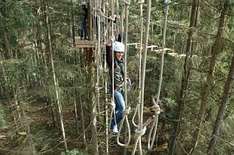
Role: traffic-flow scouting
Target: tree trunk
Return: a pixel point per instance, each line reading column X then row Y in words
column 17, row 115
column 54, row 75
column 5, row 36
column 94, row 142
column 76, row 116
column 73, row 24
column 186, row 73
column 216, row 49
column 222, row 109
column 95, row 84
column 82, row 121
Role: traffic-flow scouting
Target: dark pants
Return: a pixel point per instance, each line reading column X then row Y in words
column 83, row 32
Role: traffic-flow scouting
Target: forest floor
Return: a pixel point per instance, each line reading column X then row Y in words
column 46, row 138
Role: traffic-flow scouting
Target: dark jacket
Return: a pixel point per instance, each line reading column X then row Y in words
column 118, row 69
column 119, row 74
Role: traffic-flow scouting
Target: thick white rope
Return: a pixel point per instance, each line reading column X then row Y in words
column 139, row 132
column 153, row 130
column 137, row 111
column 106, row 89
column 138, row 106
column 127, row 110
column 113, row 112
column 141, row 127
column 125, row 119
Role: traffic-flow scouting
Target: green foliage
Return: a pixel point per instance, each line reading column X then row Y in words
column 3, row 123
column 15, row 15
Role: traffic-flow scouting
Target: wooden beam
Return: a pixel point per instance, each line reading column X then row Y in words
column 85, row 44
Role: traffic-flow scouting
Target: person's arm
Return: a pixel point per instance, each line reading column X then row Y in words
column 109, row 55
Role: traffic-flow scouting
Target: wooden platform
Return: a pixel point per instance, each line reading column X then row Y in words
column 85, row 44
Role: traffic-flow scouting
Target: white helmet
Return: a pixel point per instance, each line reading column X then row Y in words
column 118, row 47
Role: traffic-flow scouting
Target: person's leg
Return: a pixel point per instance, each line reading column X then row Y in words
column 119, row 108
column 82, row 30
column 85, row 30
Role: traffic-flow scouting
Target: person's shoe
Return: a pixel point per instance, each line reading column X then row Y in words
column 115, row 129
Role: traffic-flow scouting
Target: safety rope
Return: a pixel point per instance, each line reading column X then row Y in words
column 112, row 65
column 153, row 130
column 139, row 132
column 125, row 119
column 106, row 87
column 127, row 109
column 137, row 109
column 141, row 128
column 98, row 56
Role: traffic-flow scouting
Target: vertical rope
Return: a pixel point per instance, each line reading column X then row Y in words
column 141, row 128
column 98, row 52
column 105, row 85
column 126, row 54
column 112, row 65
column 139, row 108
column 122, row 25
column 153, row 130
column 127, row 110
column 144, row 57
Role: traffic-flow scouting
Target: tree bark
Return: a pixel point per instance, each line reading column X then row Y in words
column 73, row 25
column 222, row 109
column 82, row 121
column 76, row 116
column 94, row 68
column 94, row 141
column 216, row 49
column 186, row 74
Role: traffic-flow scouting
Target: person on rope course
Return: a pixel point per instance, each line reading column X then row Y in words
column 119, row 49
column 84, row 32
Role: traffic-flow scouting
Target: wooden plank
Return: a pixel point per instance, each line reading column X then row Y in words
column 85, row 44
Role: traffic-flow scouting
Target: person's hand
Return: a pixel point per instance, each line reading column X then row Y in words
column 110, row 41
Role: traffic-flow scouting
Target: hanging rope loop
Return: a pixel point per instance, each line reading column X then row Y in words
column 156, row 107
column 153, row 129
column 125, row 119
column 137, row 110
column 140, row 131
